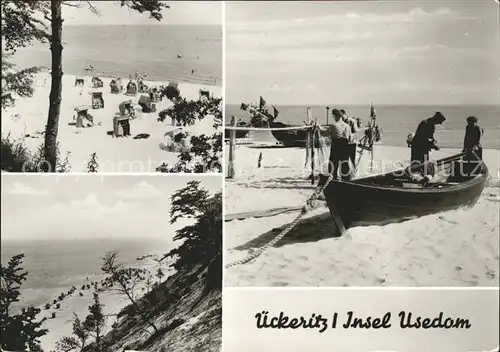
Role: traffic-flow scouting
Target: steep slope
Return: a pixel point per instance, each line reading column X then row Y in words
column 186, row 309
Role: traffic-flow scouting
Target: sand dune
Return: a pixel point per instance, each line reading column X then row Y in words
column 29, row 116
column 455, row 248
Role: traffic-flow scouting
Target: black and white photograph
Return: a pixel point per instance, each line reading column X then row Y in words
column 362, row 143
column 113, row 263
column 111, row 86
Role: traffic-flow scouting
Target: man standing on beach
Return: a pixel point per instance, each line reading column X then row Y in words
column 353, row 140
column 472, row 140
column 339, row 154
column 423, row 141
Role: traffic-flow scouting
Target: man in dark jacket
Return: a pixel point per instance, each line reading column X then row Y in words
column 423, row 141
column 472, row 140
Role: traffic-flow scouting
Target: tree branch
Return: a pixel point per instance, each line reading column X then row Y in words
column 66, row 3
column 94, row 9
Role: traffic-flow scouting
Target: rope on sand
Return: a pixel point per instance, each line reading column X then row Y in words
column 260, row 214
column 234, row 128
column 308, row 206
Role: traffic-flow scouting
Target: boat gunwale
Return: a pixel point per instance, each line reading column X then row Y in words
column 477, row 180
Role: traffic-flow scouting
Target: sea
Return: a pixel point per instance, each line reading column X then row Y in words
column 54, row 266
column 396, row 121
column 185, row 53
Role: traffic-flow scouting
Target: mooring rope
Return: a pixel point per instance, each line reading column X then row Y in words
column 304, row 210
column 239, row 128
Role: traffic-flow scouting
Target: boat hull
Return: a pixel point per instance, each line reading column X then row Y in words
column 239, row 134
column 358, row 204
column 295, row 138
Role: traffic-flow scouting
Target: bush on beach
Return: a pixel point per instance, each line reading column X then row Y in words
column 16, row 157
column 206, row 152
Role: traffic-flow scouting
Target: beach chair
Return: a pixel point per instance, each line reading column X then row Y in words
column 83, row 118
column 97, row 82
column 204, row 93
column 121, row 126
column 116, row 86
column 147, row 104
column 97, row 100
column 131, row 88
column 142, row 87
column 125, row 108
column 79, row 81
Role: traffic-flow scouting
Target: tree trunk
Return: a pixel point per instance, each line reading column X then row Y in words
column 139, row 310
column 52, row 126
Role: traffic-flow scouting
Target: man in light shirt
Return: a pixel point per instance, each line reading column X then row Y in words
column 353, row 140
column 339, row 157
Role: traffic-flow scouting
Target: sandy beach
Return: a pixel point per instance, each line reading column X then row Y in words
column 455, row 248
column 112, row 302
column 29, row 115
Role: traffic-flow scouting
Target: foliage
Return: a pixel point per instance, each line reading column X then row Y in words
column 202, row 241
column 206, row 152
column 94, row 323
column 16, row 82
column 152, row 6
column 125, row 280
column 15, row 157
column 76, row 343
column 187, row 112
column 92, row 326
column 23, row 23
column 20, row 331
column 93, row 165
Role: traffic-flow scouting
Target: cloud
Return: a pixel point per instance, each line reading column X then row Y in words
column 140, row 190
column 20, row 189
column 276, row 87
column 413, row 15
column 91, row 204
column 88, row 206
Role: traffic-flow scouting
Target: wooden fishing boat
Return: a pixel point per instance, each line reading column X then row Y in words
column 239, row 134
column 397, row 196
column 295, row 138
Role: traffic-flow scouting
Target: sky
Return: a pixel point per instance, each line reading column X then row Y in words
column 88, row 206
column 179, row 13
column 404, row 52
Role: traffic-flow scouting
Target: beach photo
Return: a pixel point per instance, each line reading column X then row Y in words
column 362, row 143
column 113, row 263
column 112, row 86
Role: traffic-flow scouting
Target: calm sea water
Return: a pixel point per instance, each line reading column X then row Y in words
column 398, row 121
column 55, row 265
column 120, row 50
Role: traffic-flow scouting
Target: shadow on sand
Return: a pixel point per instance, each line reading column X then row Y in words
column 281, row 183
column 312, row 229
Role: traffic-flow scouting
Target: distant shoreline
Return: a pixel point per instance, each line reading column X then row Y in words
column 332, row 105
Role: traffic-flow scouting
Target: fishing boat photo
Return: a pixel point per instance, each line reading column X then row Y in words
column 401, row 195
column 239, row 133
column 286, row 134
column 294, row 137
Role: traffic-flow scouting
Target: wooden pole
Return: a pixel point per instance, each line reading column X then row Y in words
column 327, row 114
column 312, row 132
column 232, row 147
column 371, row 157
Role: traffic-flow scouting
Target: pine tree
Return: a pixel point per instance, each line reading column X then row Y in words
column 20, row 331
column 94, row 323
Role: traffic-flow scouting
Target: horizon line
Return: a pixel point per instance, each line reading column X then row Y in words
column 144, row 25
column 375, row 104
